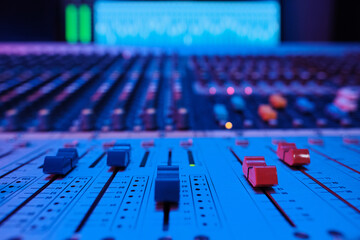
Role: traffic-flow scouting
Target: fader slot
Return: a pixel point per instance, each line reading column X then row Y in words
column 23, row 164
column 266, row 183
column 305, row 171
column 7, row 216
column 96, row 201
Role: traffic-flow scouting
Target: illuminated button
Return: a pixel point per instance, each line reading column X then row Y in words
column 228, row 125
column 277, row 101
column 266, row 112
column 119, row 155
column 238, row 103
column 230, row 90
column 258, row 173
column 167, row 184
column 65, row 160
column 292, row 156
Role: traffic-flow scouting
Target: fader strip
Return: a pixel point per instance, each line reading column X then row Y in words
column 127, row 186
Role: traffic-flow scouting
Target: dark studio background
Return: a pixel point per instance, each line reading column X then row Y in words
column 302, row 20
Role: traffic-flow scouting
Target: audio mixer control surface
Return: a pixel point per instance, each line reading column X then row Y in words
column 81, row 88
column 120, row 143
column 180, row 187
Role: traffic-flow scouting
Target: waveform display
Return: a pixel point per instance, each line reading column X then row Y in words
column 187, row 23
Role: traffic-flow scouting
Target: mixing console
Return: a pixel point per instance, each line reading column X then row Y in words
column 112, row 143
column 185, row 187
column 84, row 89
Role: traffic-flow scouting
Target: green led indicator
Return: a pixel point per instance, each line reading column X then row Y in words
column 71, row 23
column 85, row 23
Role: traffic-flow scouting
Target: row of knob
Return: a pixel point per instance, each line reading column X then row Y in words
column 285, row 69
column 338, row 111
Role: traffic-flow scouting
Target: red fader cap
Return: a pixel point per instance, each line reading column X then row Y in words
column 258, row 173
column 284, row 147
column 297, row 157
column 292, row 156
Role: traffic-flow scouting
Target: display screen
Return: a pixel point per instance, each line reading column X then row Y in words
column 193, row 24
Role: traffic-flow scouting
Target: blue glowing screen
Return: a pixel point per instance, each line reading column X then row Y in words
column 171, row 24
